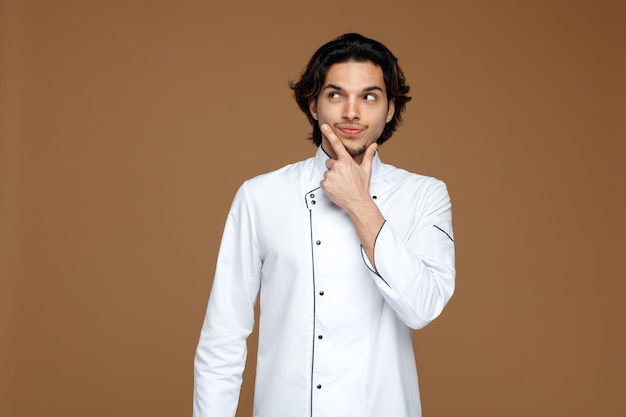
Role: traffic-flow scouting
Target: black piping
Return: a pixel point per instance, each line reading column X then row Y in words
column 314, row 304
column 439, row 228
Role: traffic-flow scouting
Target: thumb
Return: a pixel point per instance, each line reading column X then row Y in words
column 368, row 156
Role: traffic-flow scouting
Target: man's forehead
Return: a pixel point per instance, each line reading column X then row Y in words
column 355, row 73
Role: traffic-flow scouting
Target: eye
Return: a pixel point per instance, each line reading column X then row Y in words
column 370, row 97
column 333, row 95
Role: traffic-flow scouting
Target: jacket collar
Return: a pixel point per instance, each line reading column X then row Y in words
column 321, row 156
column 315, row 197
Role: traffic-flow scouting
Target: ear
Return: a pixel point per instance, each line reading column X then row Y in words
column 313, row 108
column 391, row 110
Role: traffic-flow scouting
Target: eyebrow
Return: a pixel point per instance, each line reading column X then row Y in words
column 365, row 90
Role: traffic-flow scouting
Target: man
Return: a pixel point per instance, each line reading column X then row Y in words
column 349, row 254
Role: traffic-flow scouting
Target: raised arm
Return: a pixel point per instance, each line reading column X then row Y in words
column 347, row 183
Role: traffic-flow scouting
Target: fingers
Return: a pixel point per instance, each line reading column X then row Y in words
column 334, row 141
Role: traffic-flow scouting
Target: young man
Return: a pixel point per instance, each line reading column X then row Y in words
column 349, row 255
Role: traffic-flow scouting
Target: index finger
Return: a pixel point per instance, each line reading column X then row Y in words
column 334, row 141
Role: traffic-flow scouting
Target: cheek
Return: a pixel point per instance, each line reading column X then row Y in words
column 322, row 115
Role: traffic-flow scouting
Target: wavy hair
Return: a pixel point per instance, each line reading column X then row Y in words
column 351, row 47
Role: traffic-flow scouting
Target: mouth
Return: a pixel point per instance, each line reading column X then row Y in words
column 350, row 130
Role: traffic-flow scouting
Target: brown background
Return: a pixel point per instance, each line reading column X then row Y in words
column 128, row 125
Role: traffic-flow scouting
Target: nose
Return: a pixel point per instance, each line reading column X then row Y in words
column 351, row 109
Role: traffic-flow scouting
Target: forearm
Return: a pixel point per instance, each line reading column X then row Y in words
column 417, row 281
column 367, row 220
column 217, row 377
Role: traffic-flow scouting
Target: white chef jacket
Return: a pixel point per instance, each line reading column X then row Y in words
column 334, row 336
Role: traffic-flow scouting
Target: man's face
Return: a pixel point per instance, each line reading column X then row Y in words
column 353, row 101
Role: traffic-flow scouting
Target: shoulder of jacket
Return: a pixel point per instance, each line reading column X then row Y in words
column 279, row 176
column 403, row 175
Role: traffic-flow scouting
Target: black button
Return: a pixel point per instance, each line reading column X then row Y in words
column 312, row 195
column 312, row 201
column 374, row 197
column 321, row 292
column 320, row 337
column 319, row 386
column 319, row 242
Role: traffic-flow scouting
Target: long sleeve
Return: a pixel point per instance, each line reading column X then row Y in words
column 221, row 352
column 333, row 335
column 416, row 267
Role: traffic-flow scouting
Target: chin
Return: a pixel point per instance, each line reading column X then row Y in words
column 356, row 151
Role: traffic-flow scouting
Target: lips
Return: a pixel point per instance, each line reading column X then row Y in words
column 350, row 130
